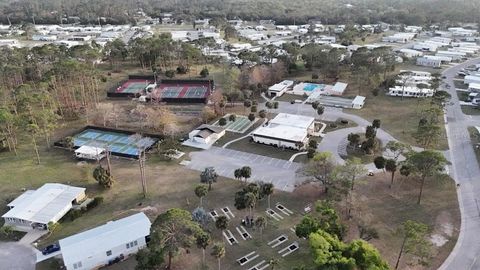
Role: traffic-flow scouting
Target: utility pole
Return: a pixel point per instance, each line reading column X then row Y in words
column 33, row 19
column 143, row 180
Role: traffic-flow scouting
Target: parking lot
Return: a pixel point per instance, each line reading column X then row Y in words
column 281, row 173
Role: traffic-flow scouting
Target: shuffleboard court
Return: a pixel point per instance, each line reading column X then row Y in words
column 117, row 142
column 240, row 125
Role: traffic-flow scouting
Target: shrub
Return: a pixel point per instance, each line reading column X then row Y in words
column 375, row 91
column 96, row 201
column 222, row 121
column 182, row 70
column 262, row 114
column 103, row 79
column 311, row 152
column 251, row 117
column 232, row 117
column 170, row 73
column 292, row 101
column 74, row 214
column 312, row 143
column 315, row 76
column 204, row 73
column 333, row 125
column 253, row 109
column 344, row 122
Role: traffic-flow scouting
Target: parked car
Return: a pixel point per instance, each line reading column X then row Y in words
column 50, row 249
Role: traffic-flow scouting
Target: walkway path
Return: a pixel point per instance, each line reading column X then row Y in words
column 292, row 158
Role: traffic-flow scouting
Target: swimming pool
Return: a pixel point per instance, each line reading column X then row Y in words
column 310, row 87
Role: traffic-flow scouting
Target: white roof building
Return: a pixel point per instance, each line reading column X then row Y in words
column 474, row 87
column 411, row 53
column 101, row 245
column 49, row 203
column 90, row 152
column 471, row 79
column 280, row 88
column 338, row 88
column 285, row 130
column 409, row 91
column 358, row 102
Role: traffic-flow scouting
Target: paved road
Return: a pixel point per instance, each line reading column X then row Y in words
column 16, row 256
column 464, row 170
column 282, row 173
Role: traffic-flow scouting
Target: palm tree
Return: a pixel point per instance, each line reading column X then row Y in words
column 391, row 166
column 203, row 240
column 238, row 174
column 268, row 189
column 209, row 176
column 250, row 201
column 261, row 223
column 222, row 223
column 218, row 251
column 201, row 191
column 273, row 262
column 246, row 173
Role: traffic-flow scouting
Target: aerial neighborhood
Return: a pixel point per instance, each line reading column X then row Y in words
column 239, row 135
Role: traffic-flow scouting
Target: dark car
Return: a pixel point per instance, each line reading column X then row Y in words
column 50, row 249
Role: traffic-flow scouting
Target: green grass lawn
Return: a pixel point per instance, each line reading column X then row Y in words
column 336, row 125
column 246, row 145
column 475, row 137
column 462, row 95
column 460, row 84
column 470, row 110
column 399, row 117
column 229, row 136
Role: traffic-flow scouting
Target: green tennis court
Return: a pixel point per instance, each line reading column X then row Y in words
column 240, row 125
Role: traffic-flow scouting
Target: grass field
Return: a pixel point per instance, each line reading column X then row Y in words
column 470, row 110
column 399, row 117
column 475, row 137
column 385, row 209
column 462, row 95
column 171, row 185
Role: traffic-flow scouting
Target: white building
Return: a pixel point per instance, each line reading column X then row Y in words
column 337, row 89
column 428, row 62
column 454, row 55
column 413, row 29
column 204, row 136
column 358, row 102
column 102, row 245
column 90, row 152
column 471, row 79
column 409, row 53
column 474, row 87
column 280, row 88
column 423, row 46
column 443, row 59
column 409, row 91
column 399, row 38
column 37, row 208
column 286, row 131
column 417, row 73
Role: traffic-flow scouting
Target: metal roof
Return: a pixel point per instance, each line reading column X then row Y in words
column 105, row 237
column 43, row 204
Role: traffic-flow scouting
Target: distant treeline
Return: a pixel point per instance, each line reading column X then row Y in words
column 417, row 12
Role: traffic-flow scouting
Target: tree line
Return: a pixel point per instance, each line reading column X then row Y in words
column 283, row 11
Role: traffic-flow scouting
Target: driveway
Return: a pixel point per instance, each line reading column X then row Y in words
column 16, row 256
column 282, row 173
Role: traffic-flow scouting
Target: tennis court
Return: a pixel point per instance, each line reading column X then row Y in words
column 133, row 86
column 118, row 143
column 181, row 91
column 240, row 125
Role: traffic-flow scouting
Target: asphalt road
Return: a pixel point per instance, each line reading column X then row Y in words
column 465, row 170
